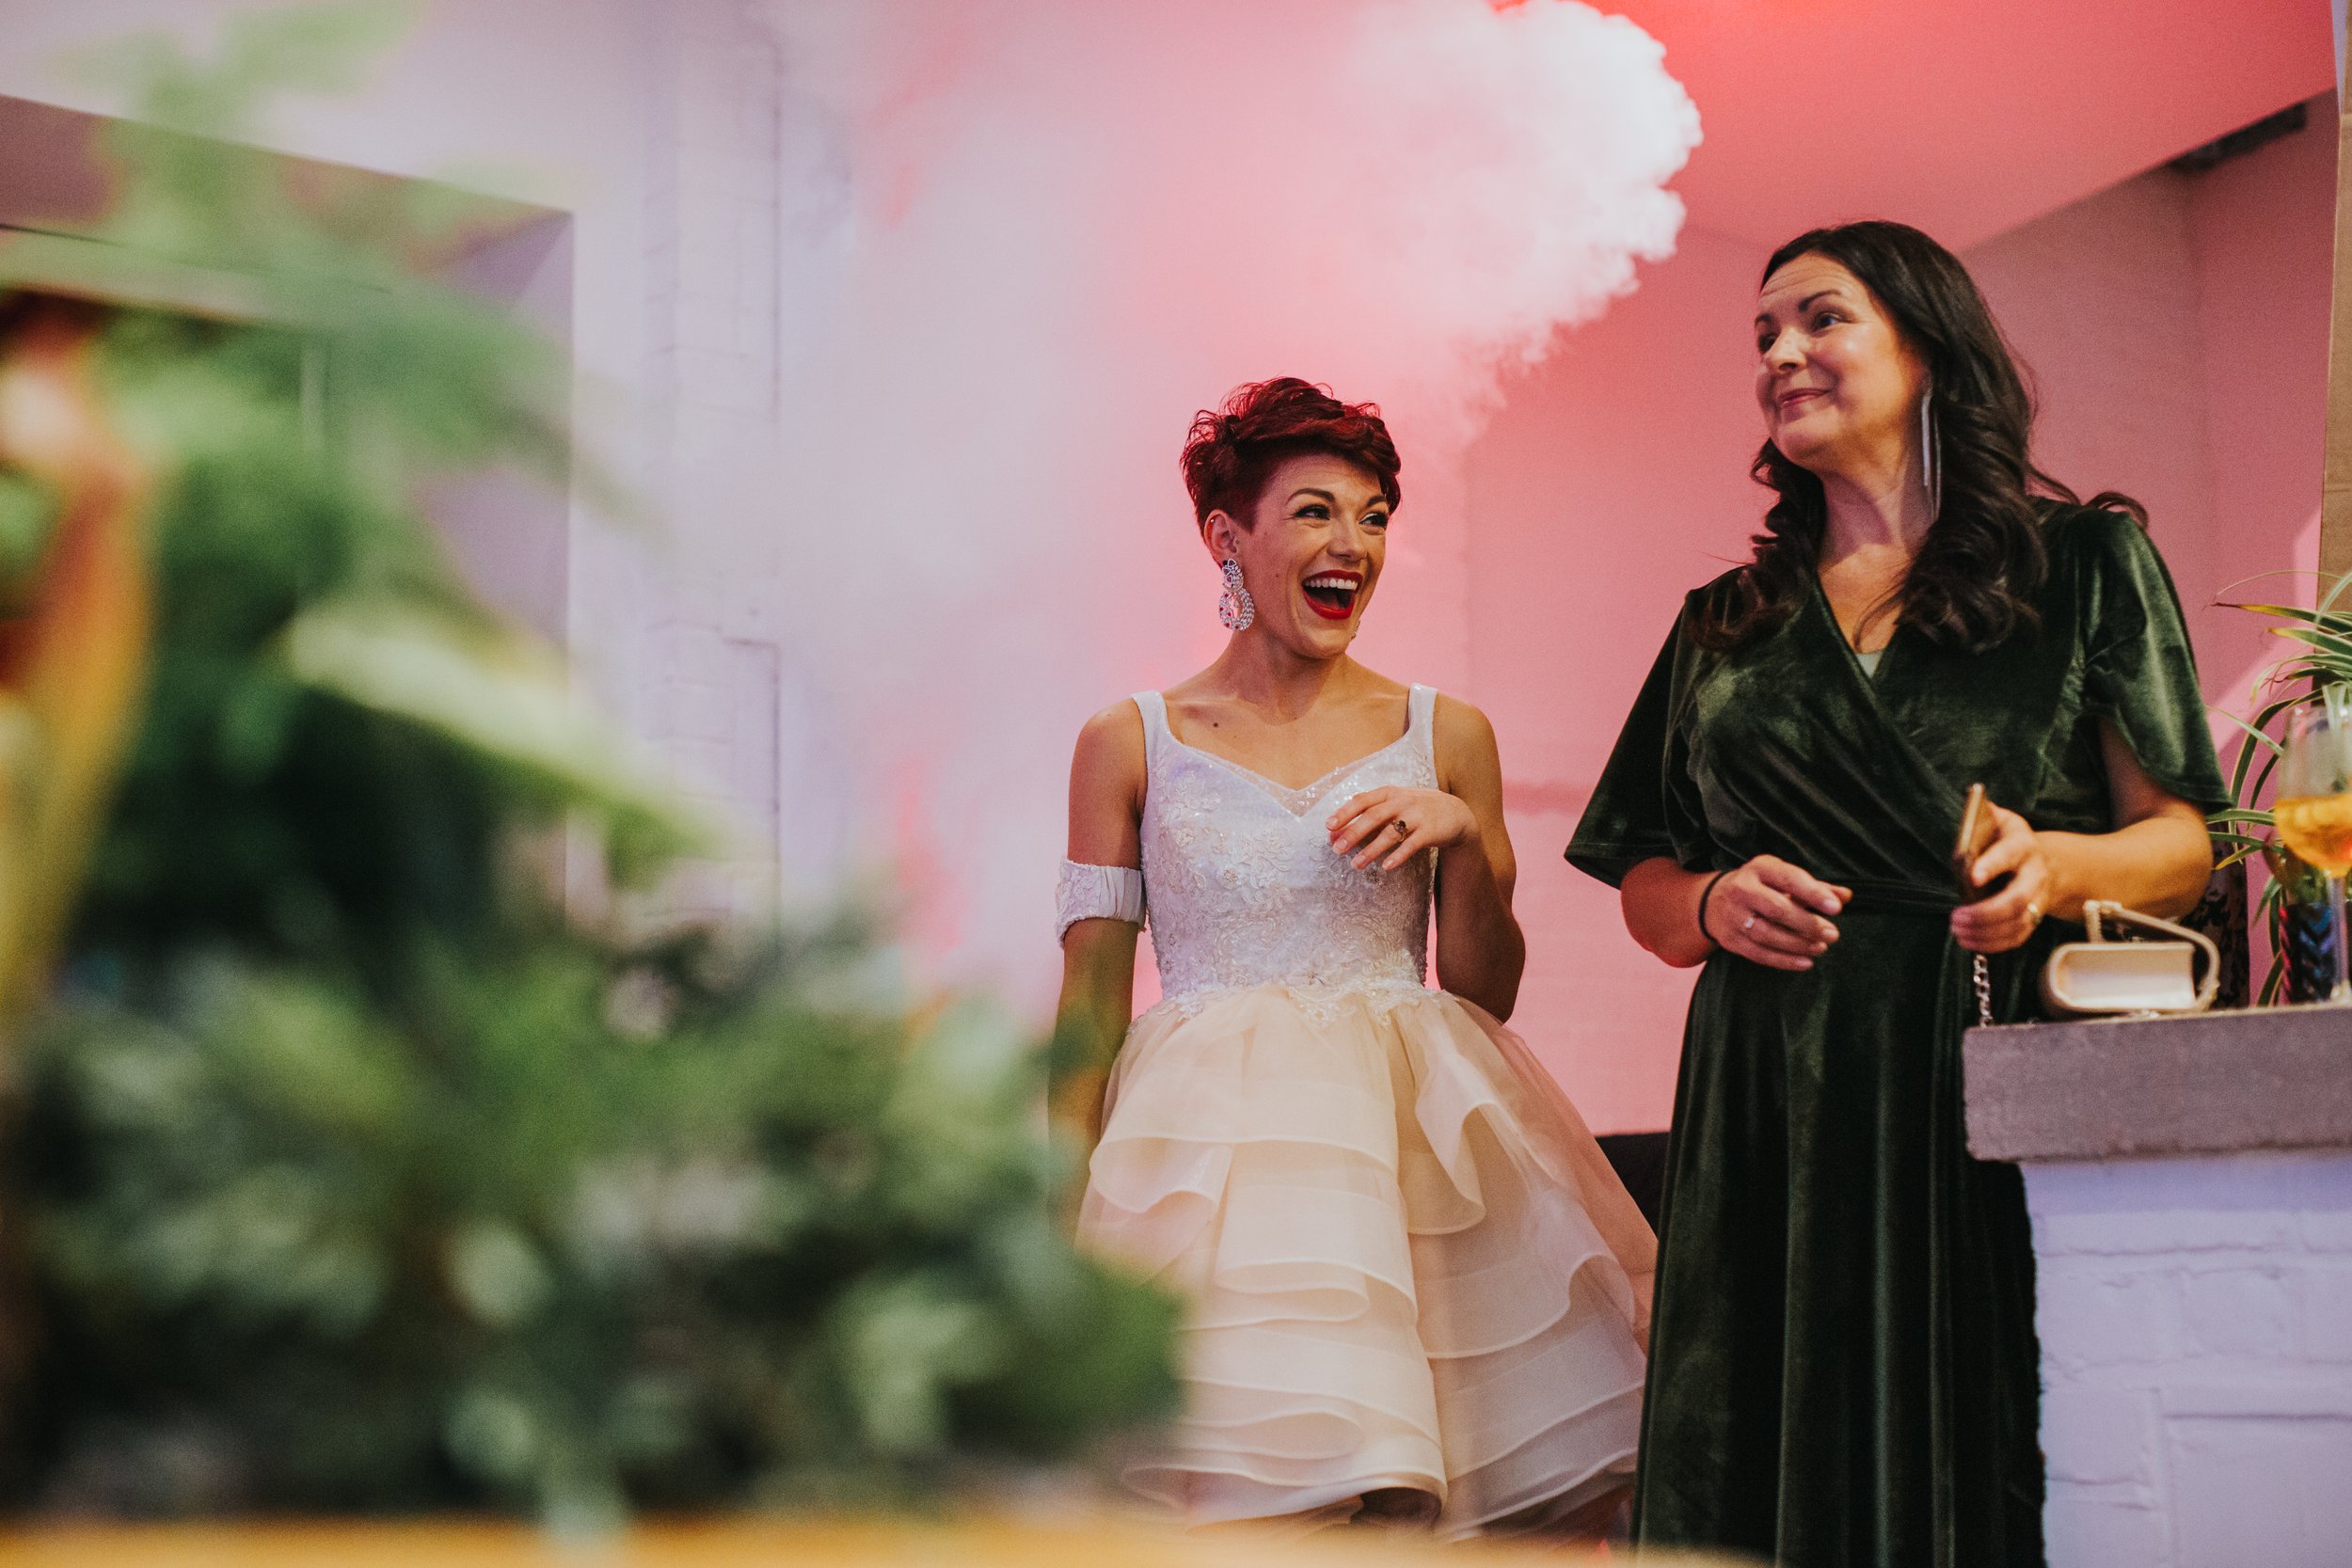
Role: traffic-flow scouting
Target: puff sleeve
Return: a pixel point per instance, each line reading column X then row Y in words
column 1646, row 804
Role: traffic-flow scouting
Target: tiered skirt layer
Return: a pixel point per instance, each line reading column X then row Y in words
column 1408, row 1263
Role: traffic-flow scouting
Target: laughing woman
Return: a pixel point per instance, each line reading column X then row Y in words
column 1417, row 1293
column 1844, row 1371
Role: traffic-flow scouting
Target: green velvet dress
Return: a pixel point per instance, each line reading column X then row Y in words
column 1843, row 1368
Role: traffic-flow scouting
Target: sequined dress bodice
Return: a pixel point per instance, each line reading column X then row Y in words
column 1243, row 885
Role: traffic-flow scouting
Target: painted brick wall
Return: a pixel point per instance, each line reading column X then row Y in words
column 2196, row 1323
column 717, row 690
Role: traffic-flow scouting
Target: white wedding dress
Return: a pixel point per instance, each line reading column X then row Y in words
column 1408, row 1263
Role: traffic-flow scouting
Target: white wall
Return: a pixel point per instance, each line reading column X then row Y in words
column 2195, row 1317
column 660, row 127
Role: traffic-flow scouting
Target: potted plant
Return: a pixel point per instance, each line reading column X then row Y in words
column 2293, row 908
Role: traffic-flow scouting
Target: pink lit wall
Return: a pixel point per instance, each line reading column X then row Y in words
column 1965, row 117
column 2262, row 240
column 2176, row 326
column 1612, row 480
column 2101, row 300
column 895, row 310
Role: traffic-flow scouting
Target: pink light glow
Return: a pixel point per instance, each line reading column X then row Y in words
column 1059, row 229
column 1021, row 240
column 1965, row 117
column 1066, row 228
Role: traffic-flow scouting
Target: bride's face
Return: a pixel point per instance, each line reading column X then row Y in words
column 1312, row 552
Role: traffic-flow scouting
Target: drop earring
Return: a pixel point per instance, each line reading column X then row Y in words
column 1234, row 606
column 1932, row 453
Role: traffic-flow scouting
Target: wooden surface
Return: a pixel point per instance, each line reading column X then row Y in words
column 750, row 1543
column 2272, row 1078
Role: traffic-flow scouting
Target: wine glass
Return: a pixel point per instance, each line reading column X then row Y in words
column 2313, row 809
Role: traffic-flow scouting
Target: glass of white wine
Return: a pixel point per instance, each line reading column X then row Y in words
column 2314, row 807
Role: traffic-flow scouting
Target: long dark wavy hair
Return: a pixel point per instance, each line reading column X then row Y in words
column 1972, row 584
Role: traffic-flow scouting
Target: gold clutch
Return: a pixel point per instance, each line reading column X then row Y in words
column 2100, row 976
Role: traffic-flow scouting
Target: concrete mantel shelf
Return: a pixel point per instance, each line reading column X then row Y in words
column 2274, row 1078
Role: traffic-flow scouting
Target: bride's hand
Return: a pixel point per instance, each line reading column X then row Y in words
column 1393, row 825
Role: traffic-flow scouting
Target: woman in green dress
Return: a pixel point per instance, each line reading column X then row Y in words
column 1843, row 1370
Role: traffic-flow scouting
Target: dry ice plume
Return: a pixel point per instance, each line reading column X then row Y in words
column 1049, row 231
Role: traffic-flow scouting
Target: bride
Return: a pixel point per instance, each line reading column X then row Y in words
column 1416, row 1290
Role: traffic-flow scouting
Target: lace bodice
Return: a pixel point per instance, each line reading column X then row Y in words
column 1244, row 887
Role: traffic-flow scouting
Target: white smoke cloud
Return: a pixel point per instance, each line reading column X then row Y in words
column 1068, row 224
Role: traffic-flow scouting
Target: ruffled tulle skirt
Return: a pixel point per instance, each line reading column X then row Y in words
column 1408, row 1263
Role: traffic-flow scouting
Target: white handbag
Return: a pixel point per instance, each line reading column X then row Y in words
column 2100, row 976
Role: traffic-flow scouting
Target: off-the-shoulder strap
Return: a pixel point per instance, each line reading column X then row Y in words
column 1154, row 710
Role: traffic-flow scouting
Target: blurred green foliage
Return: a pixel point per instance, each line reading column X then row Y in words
column 565, row 1234
column 28, row 511
column 347, row 1170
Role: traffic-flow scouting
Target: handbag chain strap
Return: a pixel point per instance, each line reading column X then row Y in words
column 1984, row 991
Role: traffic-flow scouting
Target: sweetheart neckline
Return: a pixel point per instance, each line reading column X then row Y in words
column 1310, row 792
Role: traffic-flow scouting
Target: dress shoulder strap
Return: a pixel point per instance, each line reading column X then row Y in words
column 1420, row 717
column 1155, row 733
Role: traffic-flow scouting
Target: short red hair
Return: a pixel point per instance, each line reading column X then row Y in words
column 1233, row 450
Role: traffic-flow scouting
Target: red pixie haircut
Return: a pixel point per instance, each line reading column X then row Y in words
column 1233, row 450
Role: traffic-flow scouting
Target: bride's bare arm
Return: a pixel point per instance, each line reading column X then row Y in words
column 1098, row 966
column 1482, row 953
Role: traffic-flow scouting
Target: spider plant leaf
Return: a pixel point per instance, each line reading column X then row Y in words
column 2272, row 711
column 2250, row 729
column 2245, row 754
column 2321, row 617
column 2337, row 648
column 2262, row 779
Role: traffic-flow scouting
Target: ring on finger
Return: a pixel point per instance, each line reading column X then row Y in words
column 1748, row 925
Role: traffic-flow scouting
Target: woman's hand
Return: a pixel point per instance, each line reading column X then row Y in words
column 2006, row 919
column 1772, row 913
column 1393, row 825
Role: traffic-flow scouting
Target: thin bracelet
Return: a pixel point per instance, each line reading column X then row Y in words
column 1708, row 892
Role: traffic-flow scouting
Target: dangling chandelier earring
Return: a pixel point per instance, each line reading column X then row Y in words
column 1234, row 606
column 1930, row 453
